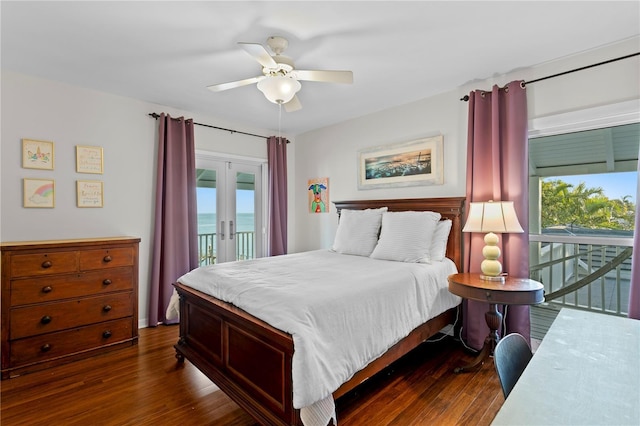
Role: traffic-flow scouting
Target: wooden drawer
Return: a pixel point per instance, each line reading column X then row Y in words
column 53, row 345
column 51, row 288
column 106, row 258
column 46, row 318
column 45, row 263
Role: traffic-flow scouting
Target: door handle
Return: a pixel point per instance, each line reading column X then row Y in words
column 222, row 230
column 231, row 230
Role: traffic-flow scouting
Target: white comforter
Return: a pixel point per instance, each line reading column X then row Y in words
column 342, row 311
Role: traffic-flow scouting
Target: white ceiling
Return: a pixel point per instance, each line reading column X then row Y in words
column 168, row 52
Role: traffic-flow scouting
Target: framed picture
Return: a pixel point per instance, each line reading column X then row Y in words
column 89, row 193
column 417, row 162
column 37, row 154
column 39, row 193
column 89, row 159
column 318, row 198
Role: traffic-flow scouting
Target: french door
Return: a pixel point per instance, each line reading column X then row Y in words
column 230, row 209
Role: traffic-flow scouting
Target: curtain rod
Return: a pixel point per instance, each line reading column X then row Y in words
column 465, row 98
column 156, row 116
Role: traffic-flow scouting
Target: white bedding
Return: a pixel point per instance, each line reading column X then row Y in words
column 342, row 311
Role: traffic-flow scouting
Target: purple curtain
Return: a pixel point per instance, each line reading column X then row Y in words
column 634, row 291
column 277, row 163
column 175, row 247
column 497, row 169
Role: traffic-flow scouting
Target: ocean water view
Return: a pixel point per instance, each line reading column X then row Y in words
column 207, row 223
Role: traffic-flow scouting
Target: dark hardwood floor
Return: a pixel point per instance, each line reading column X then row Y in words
column 143, row 385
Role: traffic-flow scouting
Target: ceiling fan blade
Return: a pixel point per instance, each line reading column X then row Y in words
column 345, row 77
column 234, row 84
column 293, row 105
column 260, row 54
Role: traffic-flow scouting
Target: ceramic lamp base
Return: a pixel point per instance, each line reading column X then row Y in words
column 491, row 267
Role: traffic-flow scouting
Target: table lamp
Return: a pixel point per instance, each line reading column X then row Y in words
column 491, row 217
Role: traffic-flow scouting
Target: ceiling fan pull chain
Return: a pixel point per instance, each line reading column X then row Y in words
column 279, row 121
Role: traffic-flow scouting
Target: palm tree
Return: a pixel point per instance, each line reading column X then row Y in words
column 564, row 204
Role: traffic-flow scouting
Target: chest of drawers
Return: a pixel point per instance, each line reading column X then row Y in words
column 66, row 300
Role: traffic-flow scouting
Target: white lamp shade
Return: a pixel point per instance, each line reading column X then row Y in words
column 499, row 216
column 279, row 89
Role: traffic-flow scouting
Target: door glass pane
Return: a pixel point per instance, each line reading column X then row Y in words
column 206, row 199
column 245, row 216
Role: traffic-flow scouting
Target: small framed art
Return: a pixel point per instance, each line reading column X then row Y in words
column 89, row 159
column 318, row 195
column 37, row 154
column 89, row 193
column 39, row 193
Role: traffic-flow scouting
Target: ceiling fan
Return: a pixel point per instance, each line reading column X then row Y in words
column 280, row 81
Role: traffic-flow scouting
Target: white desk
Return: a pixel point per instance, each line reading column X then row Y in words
column 585, row 372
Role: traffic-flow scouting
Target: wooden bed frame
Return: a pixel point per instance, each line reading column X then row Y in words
column 251, row 361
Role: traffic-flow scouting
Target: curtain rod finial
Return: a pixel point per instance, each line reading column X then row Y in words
column 465, row 98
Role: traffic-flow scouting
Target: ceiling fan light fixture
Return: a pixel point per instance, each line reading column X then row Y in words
column 279, row 89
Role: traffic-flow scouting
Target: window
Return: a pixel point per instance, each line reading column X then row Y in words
column 587, row 180
column 582, row 206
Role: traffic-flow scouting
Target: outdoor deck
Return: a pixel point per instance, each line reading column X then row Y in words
column 581, row 272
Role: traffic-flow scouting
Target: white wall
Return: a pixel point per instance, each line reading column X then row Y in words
column 45, row 110
column 332, row 151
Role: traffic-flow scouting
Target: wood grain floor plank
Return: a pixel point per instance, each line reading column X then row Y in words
column 144, row 385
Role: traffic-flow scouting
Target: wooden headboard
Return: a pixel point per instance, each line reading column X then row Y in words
column 449, row 207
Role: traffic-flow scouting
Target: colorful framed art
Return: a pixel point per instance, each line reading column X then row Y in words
column 39, row 193
column 37, row 154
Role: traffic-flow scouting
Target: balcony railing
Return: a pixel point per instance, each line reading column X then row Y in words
column 591, row 273
column 245, row 247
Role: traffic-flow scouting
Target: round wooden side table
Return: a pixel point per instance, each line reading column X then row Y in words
column 512, row 291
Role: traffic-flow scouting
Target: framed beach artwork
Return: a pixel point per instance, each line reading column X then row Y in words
column 418, row 162
column 39, row 193
column 89, row 193
column 37, row 154
column 89, row 159
column 318, row 198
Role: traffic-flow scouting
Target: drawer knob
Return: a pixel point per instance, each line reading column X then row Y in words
column 107, row 258
column 47, row 264
column 45, row 319
column 45, row 348
column 47, row 289
column 106, row 282
column 106, row 334
column 106, row 308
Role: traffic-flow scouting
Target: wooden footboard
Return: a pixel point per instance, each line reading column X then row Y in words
column 245, row 357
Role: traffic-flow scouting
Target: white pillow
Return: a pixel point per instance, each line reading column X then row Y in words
column 439, row 243
column 406, row 236
column 358, row 231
